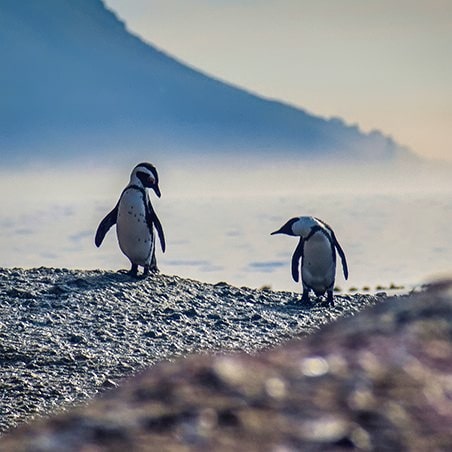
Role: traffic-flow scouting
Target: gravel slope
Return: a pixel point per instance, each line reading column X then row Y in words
column 65, row 335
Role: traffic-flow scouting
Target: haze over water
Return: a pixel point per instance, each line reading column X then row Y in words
column 394, row 226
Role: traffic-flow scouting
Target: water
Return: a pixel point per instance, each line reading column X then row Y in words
column 218, row 225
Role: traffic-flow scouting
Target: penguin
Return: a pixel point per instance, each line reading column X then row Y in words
column 317, row 250
column 135, row 220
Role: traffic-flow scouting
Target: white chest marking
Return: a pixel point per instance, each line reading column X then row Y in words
column 318, row 268
column 135, row 238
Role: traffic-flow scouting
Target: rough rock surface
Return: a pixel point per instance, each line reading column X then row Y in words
column 66, row 335
column 381, row 380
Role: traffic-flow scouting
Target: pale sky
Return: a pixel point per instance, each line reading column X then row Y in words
column 381, row 64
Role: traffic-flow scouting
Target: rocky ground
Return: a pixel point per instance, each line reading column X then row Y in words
column 66, row 335
column 379, row 380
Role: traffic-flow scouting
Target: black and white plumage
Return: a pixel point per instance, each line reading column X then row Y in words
column 317, row 251
column 135, row 220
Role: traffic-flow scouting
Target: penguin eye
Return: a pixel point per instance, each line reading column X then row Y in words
column 145, row 178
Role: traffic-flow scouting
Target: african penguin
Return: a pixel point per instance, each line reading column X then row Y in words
column 317, row 251
column 135, row 220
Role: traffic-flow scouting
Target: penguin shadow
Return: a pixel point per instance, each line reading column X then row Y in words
column 295, row 305
column 289, row 304
column 107, row 279
column 297, row 302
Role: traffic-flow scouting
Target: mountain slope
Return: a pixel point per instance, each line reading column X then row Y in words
column 74, row 75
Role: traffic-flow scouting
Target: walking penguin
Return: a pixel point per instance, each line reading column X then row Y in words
column 135, row 220
column 317, row 251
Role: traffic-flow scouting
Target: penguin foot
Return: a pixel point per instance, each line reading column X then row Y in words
column 329, row 298
column 133, row 271
column 153, row 265
column 145, row 272
column 154, row 269
column 305, row 297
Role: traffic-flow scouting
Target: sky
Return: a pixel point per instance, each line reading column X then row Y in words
column 380, row 64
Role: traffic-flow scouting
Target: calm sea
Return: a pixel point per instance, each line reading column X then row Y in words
column 218, row 223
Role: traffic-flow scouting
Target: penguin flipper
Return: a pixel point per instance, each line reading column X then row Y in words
column 296, row 260
column 105, row 225
column 152, row 219
column 338, row 247
column 342, row 256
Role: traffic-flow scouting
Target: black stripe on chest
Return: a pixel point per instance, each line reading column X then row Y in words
column 316, row 229
column 143, row 195
column 145, row 202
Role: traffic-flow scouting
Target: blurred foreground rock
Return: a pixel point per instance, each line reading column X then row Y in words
column 381, row 380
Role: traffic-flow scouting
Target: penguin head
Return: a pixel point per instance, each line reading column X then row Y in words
column 146, row 175
column 300, row 226
column 288, row 228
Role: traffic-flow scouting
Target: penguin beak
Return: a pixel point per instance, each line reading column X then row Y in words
column 286, row 230
column 157, row 190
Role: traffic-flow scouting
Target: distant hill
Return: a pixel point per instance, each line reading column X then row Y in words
column 73, row 79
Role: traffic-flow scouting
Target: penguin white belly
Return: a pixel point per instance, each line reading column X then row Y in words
column 134, row 237
column 318, row 268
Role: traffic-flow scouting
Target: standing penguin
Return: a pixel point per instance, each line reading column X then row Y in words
column 317, row 251
column 135, row 220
